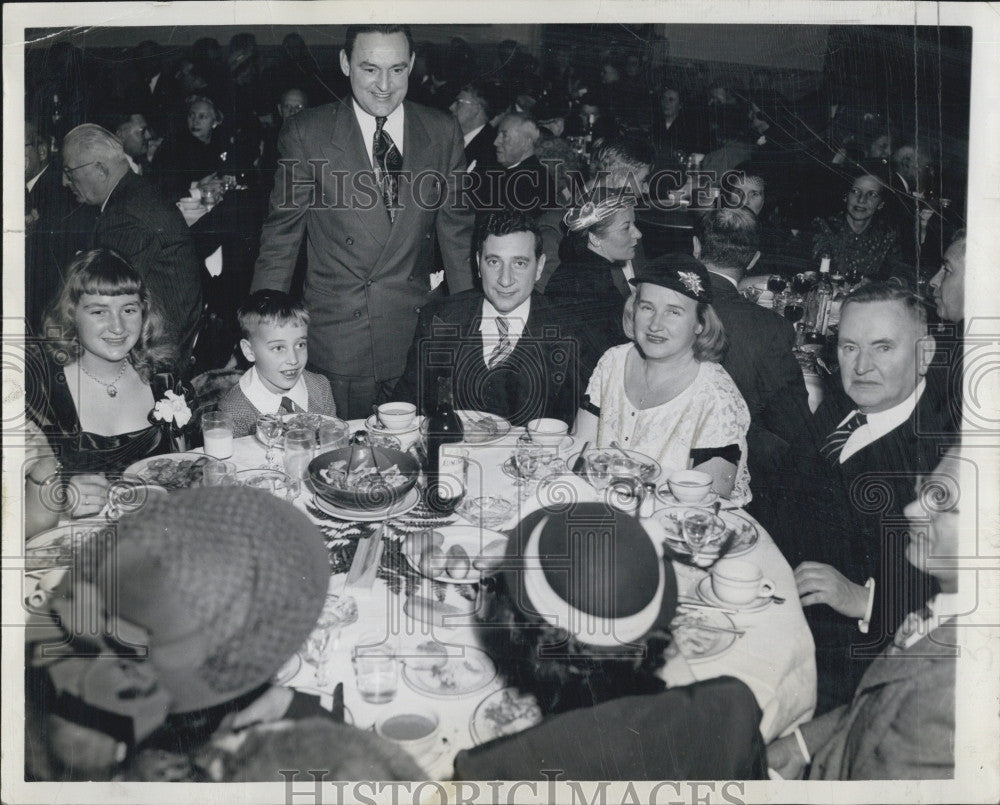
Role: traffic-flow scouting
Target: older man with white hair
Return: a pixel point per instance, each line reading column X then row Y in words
column 138, row 223
column 525, row 184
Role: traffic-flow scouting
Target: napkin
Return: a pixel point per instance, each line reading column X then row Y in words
column 214, row 263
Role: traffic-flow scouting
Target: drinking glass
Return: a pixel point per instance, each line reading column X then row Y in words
column 525, row 465
column 217, row 429
column 794, row 311
column 219, row 473
column 269, row 426
column 299, row 445
column 332, row 435
column 599, row 470
column 376, row 671
column 697, row 526
column 776, row 283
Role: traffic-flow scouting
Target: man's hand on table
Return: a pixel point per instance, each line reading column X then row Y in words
column 818, row 583
column 785, row 757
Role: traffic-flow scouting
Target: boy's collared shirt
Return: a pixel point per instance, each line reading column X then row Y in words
column 265, row 400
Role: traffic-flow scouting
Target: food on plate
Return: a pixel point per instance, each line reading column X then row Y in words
column 433, row 561
column 510, row 709
column 417, row 542
column 450, row 674
column 173, row 473
column 457, row 562
column 479, row 429
column 363, row 477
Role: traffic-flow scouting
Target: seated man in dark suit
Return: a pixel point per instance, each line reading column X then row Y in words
column 509, row 352
column 139, row 224
column 760, row 358
column 849, row 526
column 901, row 722
column 525, row 184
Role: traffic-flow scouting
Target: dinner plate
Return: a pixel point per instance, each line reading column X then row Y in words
column 54, row 547
column 172, row 471
column 286, row 419
column 504, row 712
column 696, row 642
column 406, row 503
column 649, row 476
column 472, row 539
column 479, row 427
column 372, row 424
column 707, row 594
column 448, row 672
column 745, row 540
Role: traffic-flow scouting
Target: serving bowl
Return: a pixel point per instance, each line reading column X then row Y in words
column 346, row 477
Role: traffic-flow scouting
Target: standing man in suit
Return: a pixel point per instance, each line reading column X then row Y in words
column 900, row 724
column 472, row 111
column 760, row 360
column 349, row 186
column 139, row 224
column 509, row 351
column 855, row 581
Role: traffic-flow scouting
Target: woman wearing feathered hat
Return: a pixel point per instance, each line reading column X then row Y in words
column 665, row 394
column 580, row 620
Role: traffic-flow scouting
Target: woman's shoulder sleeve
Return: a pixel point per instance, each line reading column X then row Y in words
column 606, row 367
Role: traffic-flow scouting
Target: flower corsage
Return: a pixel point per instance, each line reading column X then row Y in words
column 174, row 412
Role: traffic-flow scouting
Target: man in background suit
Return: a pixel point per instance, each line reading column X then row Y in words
column 760, row 359
column 868, row 457
column 509, row 352
column 472, row 111
column 139, row 224
column 369, row 229
column 900, row 724
column 525, row 183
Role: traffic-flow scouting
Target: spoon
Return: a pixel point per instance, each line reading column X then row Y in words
column 620, row 449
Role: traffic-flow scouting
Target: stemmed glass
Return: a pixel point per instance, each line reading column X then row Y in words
column 269, row 426
column 526, row 465
column 776, row 283
column 697, row 525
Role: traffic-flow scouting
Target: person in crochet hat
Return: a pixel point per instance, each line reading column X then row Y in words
column 201, row 598
column 666, row 394
column 580, row 620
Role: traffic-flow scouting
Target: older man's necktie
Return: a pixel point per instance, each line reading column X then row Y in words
column 834, row 443
column 388, row 163
column 503, row 347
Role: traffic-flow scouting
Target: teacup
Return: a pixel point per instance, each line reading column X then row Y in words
column 735, row 581
column 397, row 415
column 547, row 432
column 415, row 729
column 690, row 486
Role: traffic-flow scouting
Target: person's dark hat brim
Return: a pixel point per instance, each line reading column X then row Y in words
column 679, row 272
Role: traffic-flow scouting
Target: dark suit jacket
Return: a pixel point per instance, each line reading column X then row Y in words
column 151, row 234
column 705, row 731
column 367, row 278
column 540, row 378
column 901, row 723
column 63, row 227
column 482, row 151
column 761, row 363
column 851, row 517
column 528, row 187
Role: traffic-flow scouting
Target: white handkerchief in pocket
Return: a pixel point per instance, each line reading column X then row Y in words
column 214, row 262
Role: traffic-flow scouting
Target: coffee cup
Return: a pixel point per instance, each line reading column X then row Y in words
column 547, row 432
column 397, row 415
column 690, row 486
column 415, row 729
column 735, row 581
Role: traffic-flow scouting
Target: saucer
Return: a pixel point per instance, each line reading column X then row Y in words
column 408, row 502
column 707, row 594
column 666, row 496
column 372, row 424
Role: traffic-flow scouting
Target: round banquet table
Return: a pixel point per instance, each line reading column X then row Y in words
column 774, row 657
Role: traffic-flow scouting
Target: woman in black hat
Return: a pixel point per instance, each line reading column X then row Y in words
column 665, row 394
column 580, row 620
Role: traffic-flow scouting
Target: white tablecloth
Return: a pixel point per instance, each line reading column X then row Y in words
column 775, row 657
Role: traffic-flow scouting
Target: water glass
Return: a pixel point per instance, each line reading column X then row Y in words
column 376, row 671
column 219, row 473
column 599, row 470
column 217, row 429
column 331, row 435
column 698, row 527
column 299, row 446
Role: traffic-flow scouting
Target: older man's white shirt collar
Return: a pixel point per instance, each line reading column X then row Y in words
column 393, row 126
column 468, row 138
column 265, row 400
column 105, row 204
column 517, row 319
column 880, row 423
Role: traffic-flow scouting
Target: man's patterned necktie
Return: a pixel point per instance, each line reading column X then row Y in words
column 834, row 443
column 503, row 347
column 388, row 163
